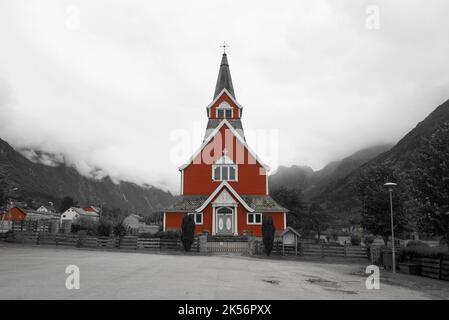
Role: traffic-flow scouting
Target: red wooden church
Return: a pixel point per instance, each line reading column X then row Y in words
column 224, row 184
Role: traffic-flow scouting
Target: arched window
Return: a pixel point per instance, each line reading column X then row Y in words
column 224, row 111
column 224, row 172
column 224, row 210
column 224, row 169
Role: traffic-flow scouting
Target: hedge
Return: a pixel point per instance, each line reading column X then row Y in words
column 410, row 253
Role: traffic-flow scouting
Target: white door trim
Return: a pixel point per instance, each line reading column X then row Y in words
column 233, row 207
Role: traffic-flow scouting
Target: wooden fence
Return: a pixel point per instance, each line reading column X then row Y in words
column 73, row 240
column 316, row 250
column 434, row 268
column 227, row 246
column 165, row 244
column 35, row 226
column 323, row 250
column 214, row 245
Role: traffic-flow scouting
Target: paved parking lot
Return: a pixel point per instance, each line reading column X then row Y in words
column 39, row 273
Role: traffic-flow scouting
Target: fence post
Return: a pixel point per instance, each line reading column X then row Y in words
column 440, row 271
column 344, row 250
column 251, row 245
column 322, row 250
column 203, row 243
column 80, row 241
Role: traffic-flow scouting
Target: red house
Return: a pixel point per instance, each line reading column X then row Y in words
column 225, row 184
column 14, row 214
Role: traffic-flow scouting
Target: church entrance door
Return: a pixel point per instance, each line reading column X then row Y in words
column 225, row 221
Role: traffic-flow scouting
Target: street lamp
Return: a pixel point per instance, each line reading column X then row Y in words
column 391, row 186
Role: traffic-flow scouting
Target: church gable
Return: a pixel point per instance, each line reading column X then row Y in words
column 224, row 107
column 224, row 195
column 224, row 199
column 225, row 140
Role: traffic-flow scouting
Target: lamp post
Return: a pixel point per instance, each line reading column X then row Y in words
column 390, row 186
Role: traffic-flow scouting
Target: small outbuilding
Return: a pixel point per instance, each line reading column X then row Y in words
column 290, row 237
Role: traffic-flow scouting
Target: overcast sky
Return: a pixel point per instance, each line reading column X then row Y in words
column 107, row 83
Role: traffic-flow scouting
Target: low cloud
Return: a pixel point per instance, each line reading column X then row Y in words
column 104, row 84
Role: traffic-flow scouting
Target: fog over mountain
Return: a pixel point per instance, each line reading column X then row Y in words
column 312, row 183
column 107, row 85
column 340, row 196
column 40, row 183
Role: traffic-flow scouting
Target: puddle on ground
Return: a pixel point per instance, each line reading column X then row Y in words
column 271, row 281
column 358, row 272
column 324, row 283
column 341, row 291
column 330, row 285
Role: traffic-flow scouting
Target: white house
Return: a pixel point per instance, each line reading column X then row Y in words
column 73, row 213
column 46, row 210
column 135, row 223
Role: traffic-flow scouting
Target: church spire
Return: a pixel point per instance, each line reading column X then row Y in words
column 224, row 78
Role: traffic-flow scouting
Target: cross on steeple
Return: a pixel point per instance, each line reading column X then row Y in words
column 224, row 75
column 224, row 46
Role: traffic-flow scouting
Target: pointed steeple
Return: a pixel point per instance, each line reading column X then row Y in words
column 224, row 78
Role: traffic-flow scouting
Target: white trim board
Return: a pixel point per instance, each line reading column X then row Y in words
column 230, row 97
column 233, row 192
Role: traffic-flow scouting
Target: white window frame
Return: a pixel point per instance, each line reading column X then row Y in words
column 224, row 106
column 254, row 219
column 195, row 215
column 221, row 172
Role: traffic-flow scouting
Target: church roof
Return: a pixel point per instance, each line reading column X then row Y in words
column 187, row 203
column 235, row 123
column 259, row 203
column 263, row 203
column 224, row 80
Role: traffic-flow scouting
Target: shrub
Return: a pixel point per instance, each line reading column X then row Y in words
column 416, row 243
column 410, row 253
column 120, row 229
column 268, row 231
column 104, row 227
column 369, row 240
column 85, row 224
column 187, row 231
column 169, row 234
column 145, row 235
column 355, row 239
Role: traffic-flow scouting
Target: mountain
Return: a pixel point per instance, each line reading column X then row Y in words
column 42, row 183
column 312, row 183
column 301, row 177
column 340, row 196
